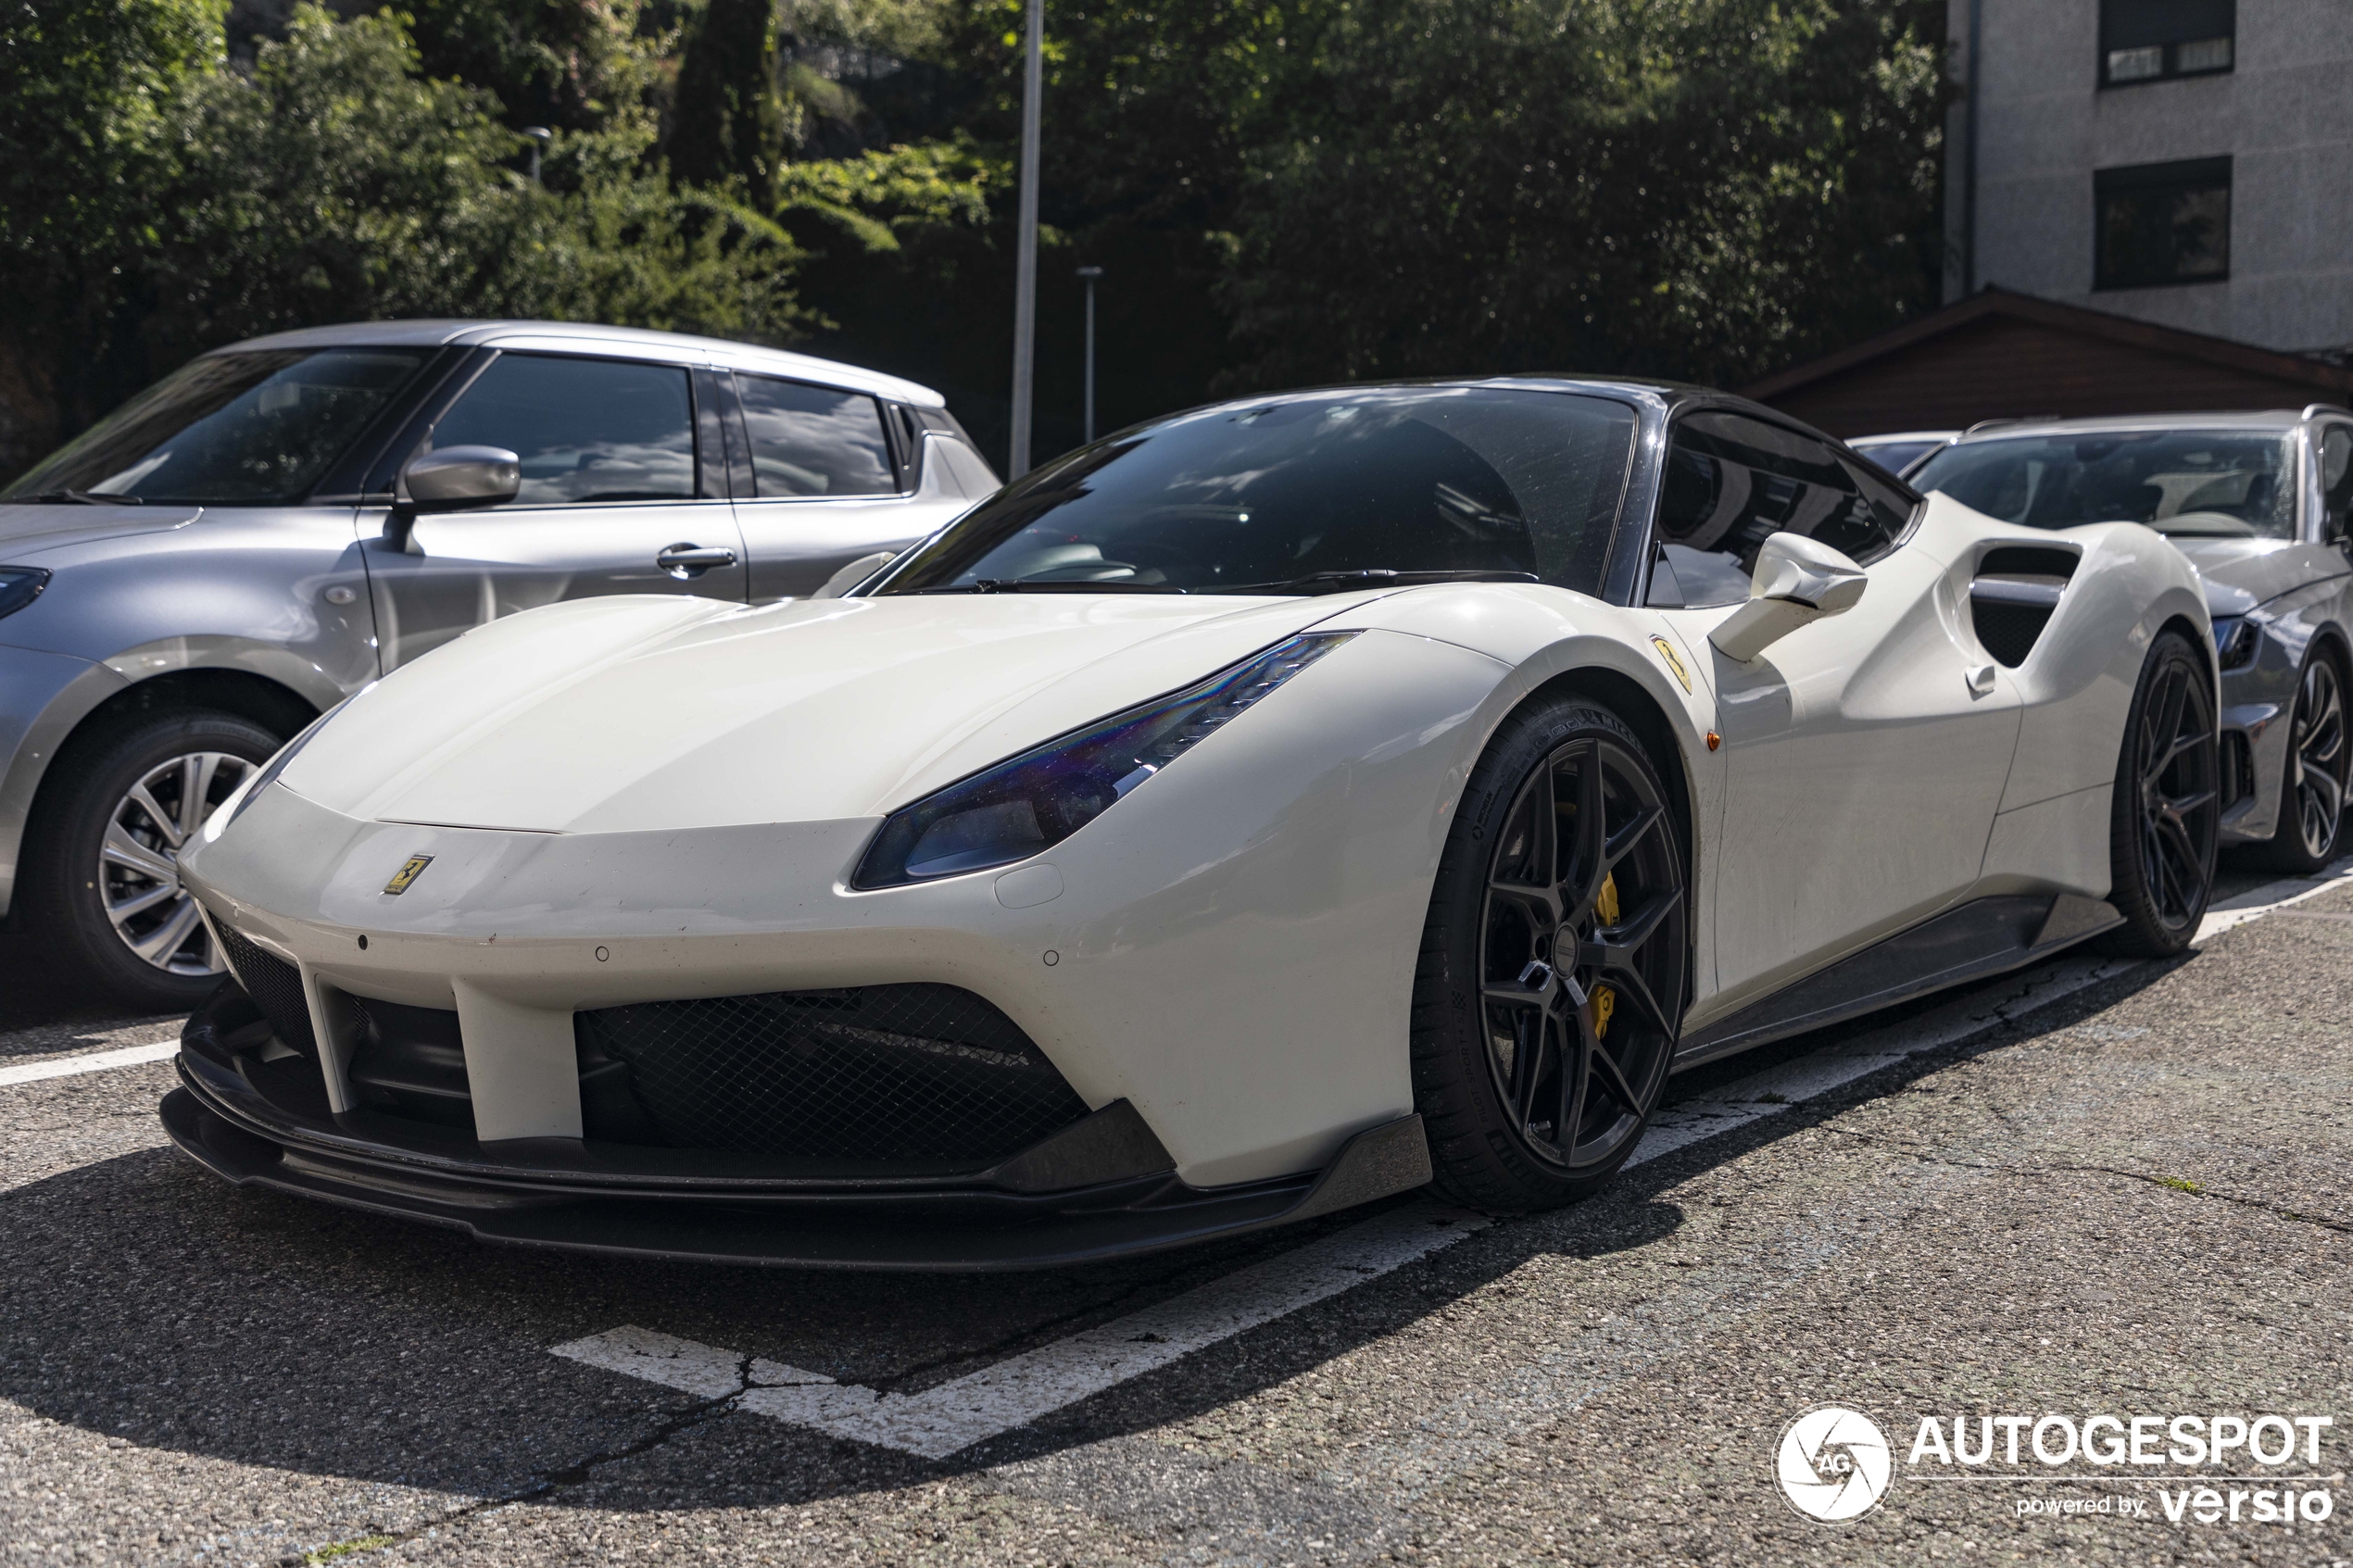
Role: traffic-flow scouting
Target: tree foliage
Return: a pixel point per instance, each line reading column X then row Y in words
column 1280, row 191
column 333, row 181
column 1697, row 188
column 729, row 121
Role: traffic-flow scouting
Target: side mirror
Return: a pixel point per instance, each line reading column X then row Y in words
column 453, row 479
column 1797, row 581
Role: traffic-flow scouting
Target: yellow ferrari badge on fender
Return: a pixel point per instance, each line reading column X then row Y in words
column 414, row 868
column 1666, row 651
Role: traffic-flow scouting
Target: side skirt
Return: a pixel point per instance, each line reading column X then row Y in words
column 1983, row 938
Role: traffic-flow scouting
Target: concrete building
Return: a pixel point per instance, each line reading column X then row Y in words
column 2183, row 162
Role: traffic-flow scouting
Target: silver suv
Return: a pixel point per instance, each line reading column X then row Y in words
column 2263, row 505
column 276, row 524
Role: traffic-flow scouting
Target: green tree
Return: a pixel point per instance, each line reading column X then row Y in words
column 727, row 122
column 568, row 64
column 333, row 182
column 336, row 184
column 1697, row 188
column 86, row 90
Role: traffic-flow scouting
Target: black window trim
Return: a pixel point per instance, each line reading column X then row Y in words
column 384, row 470
column 2183, row 173
column 1682, row 411
column 905, row 468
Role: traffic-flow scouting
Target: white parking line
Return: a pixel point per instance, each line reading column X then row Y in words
column 2257, row 902
column 1018, row 1391
column 96, row 1061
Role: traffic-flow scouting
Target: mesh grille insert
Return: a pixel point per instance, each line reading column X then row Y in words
column 929, row 1073
column 275, row 986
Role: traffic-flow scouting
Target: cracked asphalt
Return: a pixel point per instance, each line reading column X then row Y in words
column 2137, row 1199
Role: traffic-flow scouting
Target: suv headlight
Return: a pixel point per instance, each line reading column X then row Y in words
column 1034, row 801
column 2236, row 639
column 20, row 585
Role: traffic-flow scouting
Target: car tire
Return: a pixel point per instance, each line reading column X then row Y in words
column 1534, row 1082
column 2166, row 811
column 132, row 780
column 2313, row 780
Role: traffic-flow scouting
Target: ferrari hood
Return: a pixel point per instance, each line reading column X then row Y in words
column 29, row 528
column 645, row 714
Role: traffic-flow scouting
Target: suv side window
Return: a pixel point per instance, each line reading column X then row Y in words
column 586, row 430
column 1731, row 482
column 2337, row 481
column 814, row 440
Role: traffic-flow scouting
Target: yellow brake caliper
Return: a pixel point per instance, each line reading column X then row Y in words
column 1605, row 1001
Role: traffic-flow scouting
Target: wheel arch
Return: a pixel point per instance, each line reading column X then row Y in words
column 1627, row 697
column 30, row 787
column 1643, row 713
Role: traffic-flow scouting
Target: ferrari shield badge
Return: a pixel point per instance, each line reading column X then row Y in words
column 410, row 869
column 1666, row 651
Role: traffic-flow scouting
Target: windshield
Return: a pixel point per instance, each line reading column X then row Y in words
column 231, row 429
column 2188, row 482
column 1273, row 495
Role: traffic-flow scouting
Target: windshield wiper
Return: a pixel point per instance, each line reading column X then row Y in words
column 1372, row 577
column 87, row 498
column 1058, row 586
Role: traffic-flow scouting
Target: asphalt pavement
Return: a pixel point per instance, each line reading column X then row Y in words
column 2097, row 1188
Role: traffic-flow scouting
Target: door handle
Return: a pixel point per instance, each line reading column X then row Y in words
column 691, row 560
column 1981, row 680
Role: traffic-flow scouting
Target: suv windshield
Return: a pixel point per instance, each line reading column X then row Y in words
column 1305, row 493
column 2220, row 484
column 230, row 429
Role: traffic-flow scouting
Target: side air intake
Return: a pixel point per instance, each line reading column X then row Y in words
column 2013, row 595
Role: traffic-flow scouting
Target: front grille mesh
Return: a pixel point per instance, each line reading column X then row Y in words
column 881, row 1072
column 275, row 986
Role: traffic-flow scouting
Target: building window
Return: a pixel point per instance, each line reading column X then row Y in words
column 2162, row 224
column 2151, row 40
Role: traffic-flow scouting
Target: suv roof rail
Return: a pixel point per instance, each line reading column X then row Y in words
column 2012, row 420
column 2314, row 410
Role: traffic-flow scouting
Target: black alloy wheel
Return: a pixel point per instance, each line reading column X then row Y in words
column 1554, row 967
column 2312, row 789
column 2167, row 810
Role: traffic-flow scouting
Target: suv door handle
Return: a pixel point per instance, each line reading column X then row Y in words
column 690, row 560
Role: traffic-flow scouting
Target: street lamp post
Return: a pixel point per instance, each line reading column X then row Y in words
column 539, row 137
column 1025, row 264
column 1091, row 274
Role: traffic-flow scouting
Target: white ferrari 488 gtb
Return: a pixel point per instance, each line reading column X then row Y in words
column 1262, row 810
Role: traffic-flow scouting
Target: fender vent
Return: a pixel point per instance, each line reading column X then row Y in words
column 275, row 986
column 875, row 1073
column 2013, row 595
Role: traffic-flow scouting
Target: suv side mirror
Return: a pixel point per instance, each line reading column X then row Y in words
column 453, row 479
column 1797, row 581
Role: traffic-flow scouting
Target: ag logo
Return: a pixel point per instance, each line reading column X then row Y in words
column 410, row 869
column 1833, row 1464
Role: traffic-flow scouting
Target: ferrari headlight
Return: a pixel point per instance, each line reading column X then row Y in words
column 20, row 585
column 1036, row 800
column 2237, row 638
column 246, row 793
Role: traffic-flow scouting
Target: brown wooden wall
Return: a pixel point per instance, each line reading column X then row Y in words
column 2001, row 368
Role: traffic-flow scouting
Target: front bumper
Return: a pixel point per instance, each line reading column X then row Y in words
column 256, row 1114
